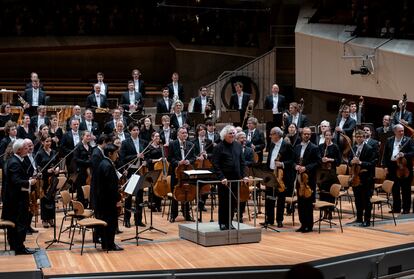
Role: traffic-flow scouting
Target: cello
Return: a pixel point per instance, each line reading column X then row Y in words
column 184, row 191
column 163, row 185
column 204, row 163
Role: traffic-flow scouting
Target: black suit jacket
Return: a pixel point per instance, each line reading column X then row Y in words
column 125, row 101
column 173, row 135
column 286, row 157
column 311, row 160
column 234, row 101
column 258, row 140
column 280, row 103
column 110, row 126
column 141, row 87
column 348, row 127
column 33, row 122
column 407, row 116
column 302, row 122
column 216, row 137
column 174, row 153
column 28, row 96
column 368, row 162
column 103, row 92
column 92, row 104
column 208, row 147
column 197, row 104
column 375, row 147
column 106, row 193
column 96, row 158
column 180, row 91
column 95, row 128
column 248, row 156
column 162, row 108
column 174, row 120
column 128, row 151
column 408, row 151
column 3, row 145
column 82, row 119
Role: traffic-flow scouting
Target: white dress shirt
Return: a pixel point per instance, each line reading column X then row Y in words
column 203, row 104
column 275, row 102
column 240, row 98
column 131, row 97
column 180, row 119
column 175, row 87
column 396, row 149
column 75, row 136
column 35, row 99
column 40, row 121
column 275, row 153
column 98, row 100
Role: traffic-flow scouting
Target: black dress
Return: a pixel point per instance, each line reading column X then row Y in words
column 146, row 134
column 59, row 134
column 47, row 203
column 326, row 175
column 23, row 134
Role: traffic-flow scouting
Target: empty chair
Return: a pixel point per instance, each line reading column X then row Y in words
column 324, row 206
column 380, row 201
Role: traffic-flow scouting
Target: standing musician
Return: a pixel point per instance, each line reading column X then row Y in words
column 203, row 150
column 96, row 99
column 76, row 114
column 82, row 160
column 280, row 157
column 5, row 116
column 39, row 119
column 398, row 155
column 296, row 117
column 167, row 134
column 353, row 111
column 275, row 102
column 212, row 135
column 331, row 158
column 385, row 131
column 165, row 103
column 320, row 138
column 10, row 130
column 293, row 135
column 154, row 155
column 228, row 164
column 132, row 148
column 47, row 156
column 17, row 184
column 96, row 157
column 368, row 132
column 202, row 101
column 255, row 138
column 248, row 160
column 344, row 125
column 362, row 162
column 31, row 169
column 55, row 131
column 239, row 100
column 175, row 89
column 34, row 97
column 132, row 100
column 69, row 140
column 146, row 130
column 104, row 86
column 107, row 197
column 307, row 160
column 34, row 76
column 405, row 116
column 180, row 152
column 90, row 125
column 119, row 131
column 25, row 131
column 110, row 125
column 179, row 118
column 139, row 85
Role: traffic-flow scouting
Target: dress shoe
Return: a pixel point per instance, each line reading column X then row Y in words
column 31, row 230
column 25, row 251
column 301, row 229
column 366, row 224
column 189, row 218
column 172, row 220
column 116, row 248
column 394, row 211
column 307, row 230
column 279, row 224
column 357, row 221
column 127, row 224
column 45, row 224
column 406, row 212
column 223, row 227
column 140, row 224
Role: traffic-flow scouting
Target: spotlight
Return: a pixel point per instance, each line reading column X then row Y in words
column 363, row 71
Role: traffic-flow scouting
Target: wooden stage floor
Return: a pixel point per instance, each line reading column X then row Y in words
column 169, row 252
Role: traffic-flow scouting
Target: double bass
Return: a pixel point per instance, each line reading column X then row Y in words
column 184, row 191
column 204, row 164
column 163, row 185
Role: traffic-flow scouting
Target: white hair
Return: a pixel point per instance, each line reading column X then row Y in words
column 277, row 130
column 18, row 144
column 325, row 123
column 227, row 129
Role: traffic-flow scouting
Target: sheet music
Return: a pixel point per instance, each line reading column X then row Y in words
column 133, row 181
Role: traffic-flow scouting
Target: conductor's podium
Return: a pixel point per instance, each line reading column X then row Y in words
column 209, row 234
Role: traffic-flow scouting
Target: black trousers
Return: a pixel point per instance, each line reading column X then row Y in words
column 270, row 202
column 224, row 206
column 139, row 199
column 402, row 187
column 17, row 235
column 110, row 216
column 305, row 209
column 363, row 194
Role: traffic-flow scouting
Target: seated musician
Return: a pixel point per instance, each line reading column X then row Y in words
column 320, row 138
column 132, row 100
column 76, row 114
column 167, row 134
column 212, row 134
column 34, row 97
column 132, row 148
column 91, row 126
column 331, row 158
column 249, row 160
column 25, row 131
column 164, row 104
column 154, row 155
column 228, row 164
column 203, row 149
column 120, row 132
column 96, row 100
column 296, row 117
column 180, row 153
column 280, row 158
column 255, row 138
column 179, row 118
column 39, row 119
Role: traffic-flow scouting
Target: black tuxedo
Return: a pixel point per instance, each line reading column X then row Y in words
column 280, row 103
column 92, row 104
column 162, row 107
column 208, row 147
column 381, row 134
column 95, row 128
column 215, row 138
column 198, row 104
column 126, row 154
column 402, row 186
column 110, row 126
column 33, row 122
column 363, row 192
column 141, row 87
column 311, row 160
column 286, row 157
column 407, row 116
column 16, row 201
column 96, row 158
column 67, row 145
column 375, row 147
column 173, row 135
column 180, row 91
column 258, row 140
column 234, row 104
column 28, row 96
column 302, row 121
column 125, row 101
column 3, row 145
column 82, row 119
column 347, row 128
column 103, row 92
column 174, row 157
column 174, row 121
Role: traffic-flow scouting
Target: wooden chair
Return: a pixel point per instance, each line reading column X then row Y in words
column 86, row 189
column 291, row 201
column 323, row 206
column 4, row 225
column 344, row 193
column 380, row 201
column 84, row 224
column 379, row 178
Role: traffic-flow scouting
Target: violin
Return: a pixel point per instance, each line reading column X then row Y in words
column 304, row 190
column 402, row 169
column 278, row 173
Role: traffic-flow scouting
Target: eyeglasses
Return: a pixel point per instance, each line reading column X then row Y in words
column 231, row 133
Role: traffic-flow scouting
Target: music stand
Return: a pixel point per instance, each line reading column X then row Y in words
column 135, row 186
column 136, row 116
column 150, row 178
column 231, row 116
column 270, row 181
column 196, row 118
column 265, row 115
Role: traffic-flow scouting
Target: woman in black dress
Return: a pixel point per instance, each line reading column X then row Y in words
column 153, row 156
column 25, row 131
column 43, row 132
column 5, row 116
column 82, row 161
column 293, row 136
column 47, row 156
column 146, row 130
column 55, row 131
